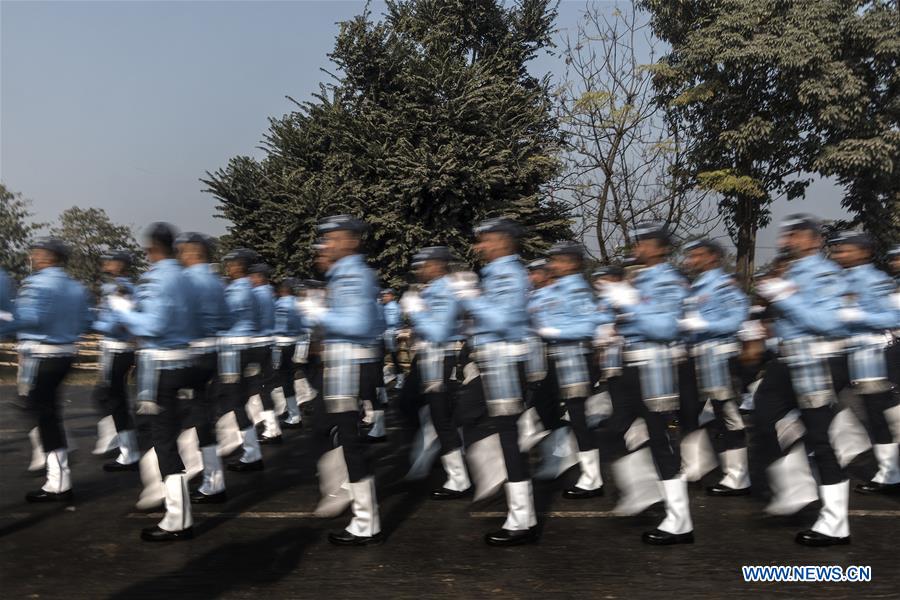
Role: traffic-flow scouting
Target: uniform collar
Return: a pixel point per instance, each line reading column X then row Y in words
column 200, row 268
column 708, row 277
column 499, row 262
column 343, row 264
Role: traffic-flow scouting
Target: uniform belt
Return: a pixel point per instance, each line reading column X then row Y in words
column 868, row 339
column 238, row 341
column 646, row 352
column 263, row 340
column 817, row 347
column 718, row 347
column 284, row 340
column 39, row 349
column 350, row 351
column 206, row 344
column 116, row 346
column 167, row 354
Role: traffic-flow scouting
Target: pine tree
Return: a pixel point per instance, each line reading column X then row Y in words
column 434, row 124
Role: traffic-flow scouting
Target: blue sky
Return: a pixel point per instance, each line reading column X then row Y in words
column 124, row 105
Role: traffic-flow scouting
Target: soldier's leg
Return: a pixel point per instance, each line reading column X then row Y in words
column 166, row 426
column 43, row 399
column 119, row 408
column 878, row 409
column 251, row 458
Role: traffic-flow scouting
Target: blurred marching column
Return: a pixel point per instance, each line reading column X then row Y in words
column 496, row 343
column 807, row 373
column 647, row 312
column 715, row 311
column 870, row 314
column 49, row 315
column 351, row 328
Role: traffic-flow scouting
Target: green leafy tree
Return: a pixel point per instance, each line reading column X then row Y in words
column 16, row 232
column 433, row 124
column 90, row 234
column 774, row 92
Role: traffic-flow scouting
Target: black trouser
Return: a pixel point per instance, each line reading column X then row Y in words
column 876, row 405
column 690, row 403
column 286, row 371
column 43, row 399
column 892, row 355
column 661, row 444
column 202, row 408
column 692, row 400
column 235, row 395
column 111, row 394
column 174, row 411
column 341, row 429
column 440, row 404
column 268, row 378
column 548, row 406
column 775, row 397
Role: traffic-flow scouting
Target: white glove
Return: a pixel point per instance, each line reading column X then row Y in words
column 119, row 303
column 411, row 302
column 6, row 316
column 464, row 285
column 851, row 314
column 752, row 330
column 146, row 407
column 548, row 333
column 775, row 289
column 621, row 294
column 311, row 309
column 693, row 323
column 604, row 333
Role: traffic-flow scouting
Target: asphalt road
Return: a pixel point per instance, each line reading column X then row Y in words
column 265, row 543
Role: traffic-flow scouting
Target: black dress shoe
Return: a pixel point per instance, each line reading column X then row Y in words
column 443, row 493
column 870, row 487
column 116, row 467
column 814, row 538
column 657, row 537
column 576, row 493
column 371, row 439
column 345, row 538
column 198, row 497
column 155, row 534
column 506, row 537
column 243, row 467
column 724, row 490
column 263, row 440
column 44, row 496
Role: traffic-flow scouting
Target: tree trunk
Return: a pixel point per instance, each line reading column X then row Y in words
column 746, row 241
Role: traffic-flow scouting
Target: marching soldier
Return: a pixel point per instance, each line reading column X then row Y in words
column 116, row 361
column 163, row 321
column 392, row 322
column 715, row 311
column 288, row 329
column 210, row 317
column 870, row 317
column 239, row 367
column 351, row 328
column 557, row 443
column 500, row 314
column 435, row 317
column 647, row 317
column 807, row 299
column 259, row 277
column 50, row 314
column 567, row 326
